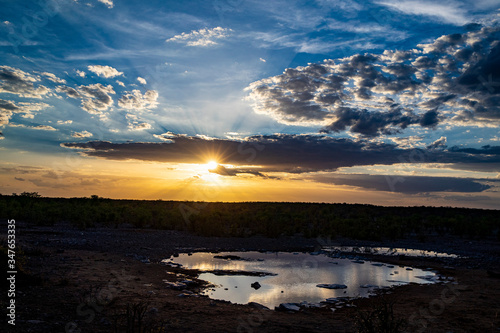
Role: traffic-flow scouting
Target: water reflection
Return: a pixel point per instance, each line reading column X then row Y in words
column 297, row 276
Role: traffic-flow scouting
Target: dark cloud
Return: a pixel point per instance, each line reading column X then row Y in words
column 429, row 119
column 71, row 92
column 8, row 108
column 458, row 73
column 405, row 184
column 290, row 153
column 371, row 123
column 18, row 82
column 223, row 171
column 484, row 150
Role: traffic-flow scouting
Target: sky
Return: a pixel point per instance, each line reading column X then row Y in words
column 378, row 102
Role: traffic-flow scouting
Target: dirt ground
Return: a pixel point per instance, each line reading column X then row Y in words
column 84, row 281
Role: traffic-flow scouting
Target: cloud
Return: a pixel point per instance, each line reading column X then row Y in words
column 120, row 83
column 38, row 127
column 80, row 73
column 95, row 97
column 202, row 37
column 70, row 92
column 283, row 153
column 105, row 71
column 8, row 108
column 64, row 122
column 83, row 134
column 136, row 101
column 447, row 11
column 53, row 77
column 262, row 59
column 224, row 171
column 167, row 137
column 141, row 80
column 406, row 184
column 456, row 78
column 439, row 143
column 18, row 82
column 108, row 3
column 136, row 126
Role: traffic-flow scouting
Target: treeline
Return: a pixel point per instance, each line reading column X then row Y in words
column 252, row 218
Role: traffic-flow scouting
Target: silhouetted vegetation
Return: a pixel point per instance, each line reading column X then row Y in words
column 252, row 218
column 380, row 319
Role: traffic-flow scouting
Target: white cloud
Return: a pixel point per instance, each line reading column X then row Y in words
column 108, row 3
column 383, row 94
column 105, row 71
column 141, row 80
column 202, row 37
column 120, row 83
column 448, row 11
column 64, row 122
column 82, row 134
column 137, row 101
column 135, row 126
column 262, row 59
column 80, row 73
column 167, row 137
column 95, row 97
column 53, row 77
column 39, row 127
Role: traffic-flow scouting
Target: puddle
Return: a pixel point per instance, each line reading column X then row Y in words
column 391, row 251
column 285, row 277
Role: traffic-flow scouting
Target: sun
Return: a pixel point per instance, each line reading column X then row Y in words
column 212, row 165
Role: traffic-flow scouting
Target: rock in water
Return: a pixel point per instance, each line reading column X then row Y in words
column 331, row 286
column 255, row 285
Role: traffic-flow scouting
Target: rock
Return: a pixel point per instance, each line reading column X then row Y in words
column 294, row 307
column 368, row 286
column 258, row 306
column 427, row 277
column 188, row 282
column 228, row 257
column 175, row 285
column 331, row 286
column 409, row 269
column 255, row 285
column 378, row 265
column 358, row 261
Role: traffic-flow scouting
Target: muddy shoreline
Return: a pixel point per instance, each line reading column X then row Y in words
column 88, row 277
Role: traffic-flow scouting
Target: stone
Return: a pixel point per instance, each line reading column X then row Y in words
column 294, row 307
column 331, row 286
column 258, row 306
column 255, row 285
